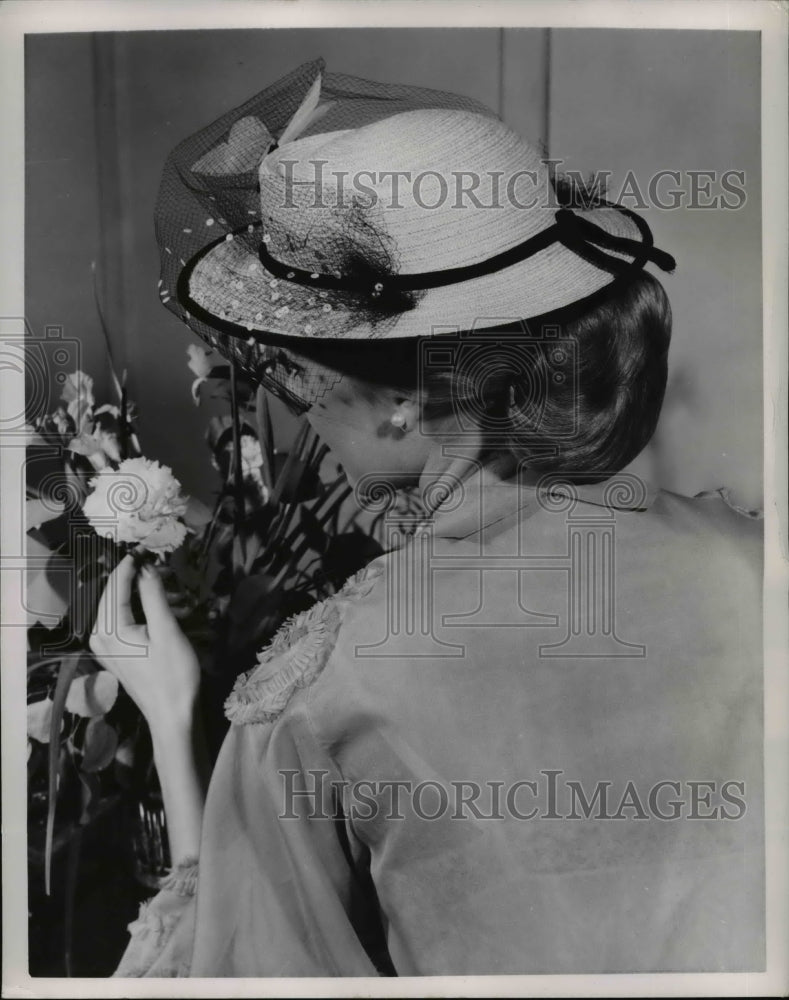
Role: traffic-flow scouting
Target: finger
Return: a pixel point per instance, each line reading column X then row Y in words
column 114, row 610
column 158, row 615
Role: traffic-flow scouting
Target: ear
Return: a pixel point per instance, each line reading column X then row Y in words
column 408, row 407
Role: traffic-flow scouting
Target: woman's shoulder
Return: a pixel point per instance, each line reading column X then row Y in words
column 388, row 622
column 298, row 652
column 376, row 618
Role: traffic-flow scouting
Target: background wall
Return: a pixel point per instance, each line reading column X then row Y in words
column 103, row 111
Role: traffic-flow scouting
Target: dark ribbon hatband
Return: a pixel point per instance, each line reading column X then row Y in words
column 582, row 237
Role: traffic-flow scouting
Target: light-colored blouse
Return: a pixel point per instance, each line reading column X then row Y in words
column 528, row 740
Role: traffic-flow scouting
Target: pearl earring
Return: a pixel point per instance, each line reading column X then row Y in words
column 397, row 420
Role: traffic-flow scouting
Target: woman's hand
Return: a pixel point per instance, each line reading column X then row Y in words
column 154, row 661
column 160, row 671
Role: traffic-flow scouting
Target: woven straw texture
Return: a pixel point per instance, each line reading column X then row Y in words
column 225, row 189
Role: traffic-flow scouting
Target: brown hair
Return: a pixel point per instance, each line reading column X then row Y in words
column 577, row 392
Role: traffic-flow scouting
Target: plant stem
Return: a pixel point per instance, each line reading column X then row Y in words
column 238, row 471
column 265, row 436
column 74, row 850
column 65, row 676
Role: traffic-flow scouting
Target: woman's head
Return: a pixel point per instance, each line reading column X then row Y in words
column 267, row 238
column 577, row 392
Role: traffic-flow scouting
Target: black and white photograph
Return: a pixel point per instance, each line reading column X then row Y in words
column 394, row 483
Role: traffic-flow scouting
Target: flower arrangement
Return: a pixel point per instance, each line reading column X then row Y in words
column 80, row 731
column 277, row 539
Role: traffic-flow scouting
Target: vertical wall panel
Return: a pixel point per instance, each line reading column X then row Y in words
column 643, row 101
column 62, row 225
column 525, row 82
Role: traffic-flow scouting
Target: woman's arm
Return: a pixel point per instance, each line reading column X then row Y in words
column 159, row 669
column 180, row 756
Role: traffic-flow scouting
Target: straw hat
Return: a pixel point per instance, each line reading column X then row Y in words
column 331, row 207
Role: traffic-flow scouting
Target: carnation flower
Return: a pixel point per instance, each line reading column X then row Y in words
column 139, row 503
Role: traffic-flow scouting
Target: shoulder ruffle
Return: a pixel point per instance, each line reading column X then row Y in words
column 182, row 879
column 296, row 655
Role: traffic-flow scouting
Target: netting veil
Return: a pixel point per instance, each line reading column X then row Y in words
column 210, row 191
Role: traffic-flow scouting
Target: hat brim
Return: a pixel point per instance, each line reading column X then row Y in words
column 227, row 287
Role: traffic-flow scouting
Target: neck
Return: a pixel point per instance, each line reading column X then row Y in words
column 449, row 466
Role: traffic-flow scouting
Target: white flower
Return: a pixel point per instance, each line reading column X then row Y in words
column 60, row 420
column 93, row 694
column 252, row 462
column 198, row 360
column 114, row 411
column 98, row 447
column 109, row 444
column 140, row 503
column 125, row 753
column 32, row 436
column 39, row 720
column 200, row 366
column 78, row 397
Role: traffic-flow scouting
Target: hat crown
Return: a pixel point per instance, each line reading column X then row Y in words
column 445, row 187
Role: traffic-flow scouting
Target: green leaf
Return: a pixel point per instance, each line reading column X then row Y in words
column 72, row 870
column 239, row 555
column 68, row 668
column 107, row 336
column 92, row 695
column 91, row 792
column 220, row 430
column 265, row 436
column 39, row 720
column 124, row 755
column 197, row 514
column 313, row 532
column 101, row 742
column 249, row 597
column 38, row 512
column 213, row 568
column 46, row 603
column 186, row 569
column 299, row 482
column 287, row 484
column 348, row 552
column 33, row 438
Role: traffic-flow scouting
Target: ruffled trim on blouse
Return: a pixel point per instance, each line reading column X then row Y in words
column 151, row 935
column 153, row 927
column 296, row 655
column 182, row 880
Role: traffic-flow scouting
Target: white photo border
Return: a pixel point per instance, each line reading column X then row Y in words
column 772, row 19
